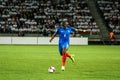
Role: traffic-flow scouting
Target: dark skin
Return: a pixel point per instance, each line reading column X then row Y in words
column 64, row 50
column 64, row 25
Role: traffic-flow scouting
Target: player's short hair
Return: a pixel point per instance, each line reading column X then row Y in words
column 64, row 22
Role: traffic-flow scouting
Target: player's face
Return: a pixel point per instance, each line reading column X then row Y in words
column 64, row 25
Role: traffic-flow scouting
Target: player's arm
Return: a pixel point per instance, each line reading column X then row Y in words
column 75, row 29
column 80, row 30
column 53, row 36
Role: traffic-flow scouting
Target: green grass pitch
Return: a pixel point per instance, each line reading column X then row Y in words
column 29, row 62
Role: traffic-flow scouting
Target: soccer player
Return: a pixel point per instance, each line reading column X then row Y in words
column 64, row 38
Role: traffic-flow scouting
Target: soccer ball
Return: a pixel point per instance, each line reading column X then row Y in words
column 51, row 69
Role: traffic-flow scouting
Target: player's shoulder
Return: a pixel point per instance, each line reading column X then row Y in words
column 68, row 26
column 71, row 28
column 58, row 27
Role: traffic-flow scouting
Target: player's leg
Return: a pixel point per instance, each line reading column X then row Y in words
column 70, row 56
column 63, row 57
column 66, row 46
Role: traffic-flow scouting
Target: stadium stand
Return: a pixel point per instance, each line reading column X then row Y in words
column 41, row 16
column 110, row 10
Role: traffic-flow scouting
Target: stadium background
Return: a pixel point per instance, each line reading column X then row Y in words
column 39, row 18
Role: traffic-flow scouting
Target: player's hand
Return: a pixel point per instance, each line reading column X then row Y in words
column 50, row 40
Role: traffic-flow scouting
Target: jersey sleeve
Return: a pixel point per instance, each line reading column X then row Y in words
column 73, row 29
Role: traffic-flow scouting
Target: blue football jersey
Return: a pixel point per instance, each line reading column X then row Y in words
column 64, row 33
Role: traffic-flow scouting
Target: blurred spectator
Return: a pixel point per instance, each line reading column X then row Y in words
column 111, row 12
column 30, row 15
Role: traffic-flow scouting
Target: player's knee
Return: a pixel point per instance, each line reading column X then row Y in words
column 64, row 51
